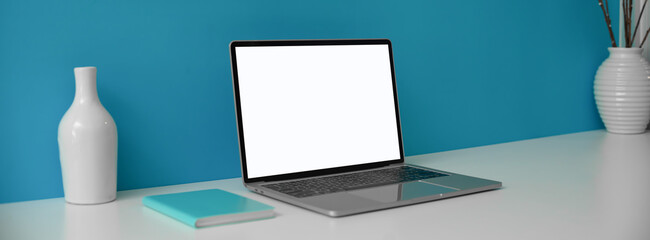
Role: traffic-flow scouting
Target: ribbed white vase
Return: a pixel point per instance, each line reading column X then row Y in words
column 622, row 91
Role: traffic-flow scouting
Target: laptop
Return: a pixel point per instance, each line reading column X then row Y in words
column 318, row 126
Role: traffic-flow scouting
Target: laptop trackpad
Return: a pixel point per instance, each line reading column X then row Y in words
column 400, row 192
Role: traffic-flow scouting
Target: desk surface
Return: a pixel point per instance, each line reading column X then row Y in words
column 590, row 185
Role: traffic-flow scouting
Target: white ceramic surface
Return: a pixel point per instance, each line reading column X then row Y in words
column 622, row 91
column 88, row 145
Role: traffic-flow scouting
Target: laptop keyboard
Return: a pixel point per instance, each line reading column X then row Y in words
column 345, row 182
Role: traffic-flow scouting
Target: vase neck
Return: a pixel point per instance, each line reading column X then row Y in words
column 625, row 52
column 86, row 85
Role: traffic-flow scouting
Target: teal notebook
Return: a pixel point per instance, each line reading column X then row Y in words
column 208, row 207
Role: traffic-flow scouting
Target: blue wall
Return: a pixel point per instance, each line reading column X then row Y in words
column 469, row 73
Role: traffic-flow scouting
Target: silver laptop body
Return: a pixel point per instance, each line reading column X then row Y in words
column 311, row 111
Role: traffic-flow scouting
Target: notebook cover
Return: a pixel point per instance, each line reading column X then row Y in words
column 188, row 207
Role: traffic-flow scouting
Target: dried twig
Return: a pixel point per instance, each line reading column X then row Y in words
column 627, row 6
column 625, row 37
column 644, row 38
column 608, row 22
column 628, row 23
column 637, row 22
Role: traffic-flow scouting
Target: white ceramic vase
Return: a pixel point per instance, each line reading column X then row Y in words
column 88, row 145
column 622, row 91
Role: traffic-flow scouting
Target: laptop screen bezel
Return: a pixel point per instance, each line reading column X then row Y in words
column 319, row 172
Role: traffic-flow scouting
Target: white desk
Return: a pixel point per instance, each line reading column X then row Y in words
column 589, row 185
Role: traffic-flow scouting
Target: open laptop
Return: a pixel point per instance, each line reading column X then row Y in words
column 318, row 126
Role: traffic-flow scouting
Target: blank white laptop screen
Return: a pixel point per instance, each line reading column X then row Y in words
column 315, row 107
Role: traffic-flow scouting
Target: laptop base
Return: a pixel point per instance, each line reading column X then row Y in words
column 389, row 196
